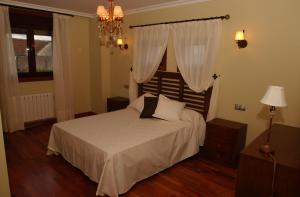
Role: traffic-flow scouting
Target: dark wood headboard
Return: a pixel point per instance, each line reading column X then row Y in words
column 172, row 85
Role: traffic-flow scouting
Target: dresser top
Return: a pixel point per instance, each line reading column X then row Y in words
column 285, row 140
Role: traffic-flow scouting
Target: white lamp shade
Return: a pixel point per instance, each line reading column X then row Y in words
column 274, row 97
column 102, row 12
column 118, row 12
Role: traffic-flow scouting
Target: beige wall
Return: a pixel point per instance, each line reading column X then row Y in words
column 4, row 184
column 97, row 103
column 270, row 58
column 80, row 60
column 100, row 71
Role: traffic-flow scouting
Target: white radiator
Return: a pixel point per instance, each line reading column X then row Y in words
column 37, row 106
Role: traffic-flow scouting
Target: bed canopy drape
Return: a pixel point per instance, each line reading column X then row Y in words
column 150, row 44
column 195, row 44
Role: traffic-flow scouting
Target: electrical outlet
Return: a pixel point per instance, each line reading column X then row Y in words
column 240, row 107
column 243, row 108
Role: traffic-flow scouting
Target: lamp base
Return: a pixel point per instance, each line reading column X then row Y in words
column 266, row 149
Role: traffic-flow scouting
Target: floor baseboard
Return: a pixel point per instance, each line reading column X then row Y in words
column 36, row 123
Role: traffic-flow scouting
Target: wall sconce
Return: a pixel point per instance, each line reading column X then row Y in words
column 240, row 39
column 121, row 45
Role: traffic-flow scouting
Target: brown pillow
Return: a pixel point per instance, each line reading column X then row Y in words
column 150, row 104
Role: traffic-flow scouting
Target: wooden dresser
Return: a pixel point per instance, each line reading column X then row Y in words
column 224, row 140
column 116, row 103
column 255, row 170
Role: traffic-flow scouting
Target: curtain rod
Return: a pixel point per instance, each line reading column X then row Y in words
column 227, row 17
column 15, row 6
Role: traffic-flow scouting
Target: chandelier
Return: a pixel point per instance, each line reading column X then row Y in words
column 110, row 21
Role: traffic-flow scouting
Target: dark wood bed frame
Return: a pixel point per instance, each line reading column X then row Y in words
column 173, row 86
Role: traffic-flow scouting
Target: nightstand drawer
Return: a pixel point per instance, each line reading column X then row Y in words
column 216, row 131
column 219, row 145
column 116, row 103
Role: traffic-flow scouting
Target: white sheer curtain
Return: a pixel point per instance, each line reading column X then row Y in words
column 150, row 43
column 195, row 45
column 133, row 88
column 9, row 95
column 63, row 91
column 213, row 106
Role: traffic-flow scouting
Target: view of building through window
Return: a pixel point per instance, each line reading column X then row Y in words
column 21, row 52
column 43, row 51
column 42, row 48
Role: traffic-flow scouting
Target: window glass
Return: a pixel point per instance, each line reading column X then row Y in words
column 43, row 51
column 21, row 51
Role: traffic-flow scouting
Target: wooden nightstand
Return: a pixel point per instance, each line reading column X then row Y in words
column 224, row 140
column 116, row 103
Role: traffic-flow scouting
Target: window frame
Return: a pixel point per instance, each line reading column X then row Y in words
column 31, row 20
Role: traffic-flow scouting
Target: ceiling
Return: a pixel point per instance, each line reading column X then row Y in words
column 88, row 7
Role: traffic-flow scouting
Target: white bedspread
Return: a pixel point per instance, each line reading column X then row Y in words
column 118, row 149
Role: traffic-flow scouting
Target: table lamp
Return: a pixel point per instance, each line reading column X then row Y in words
column 274, row 97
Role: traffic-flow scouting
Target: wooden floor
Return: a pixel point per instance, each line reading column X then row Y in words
column 33, row 174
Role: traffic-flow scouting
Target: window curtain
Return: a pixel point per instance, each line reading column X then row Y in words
column 195, row 45
column 149, row 46
column 9, row 95
column 63, row 91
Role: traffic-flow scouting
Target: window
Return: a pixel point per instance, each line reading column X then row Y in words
column 163, row 63
column 32, row 40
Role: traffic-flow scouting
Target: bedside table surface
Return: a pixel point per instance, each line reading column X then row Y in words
column 285, row 140
column 227, row 123
column 118, row 98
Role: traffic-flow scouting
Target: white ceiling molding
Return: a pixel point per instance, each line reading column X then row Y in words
column 46, row 8
column 163, row 5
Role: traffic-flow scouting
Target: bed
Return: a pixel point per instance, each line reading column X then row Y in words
column 118, row 149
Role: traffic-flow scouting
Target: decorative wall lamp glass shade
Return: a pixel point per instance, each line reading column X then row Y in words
column 239, row 35
column 120, row 41
column 274, row 97
column 121, row 45
column 240, row 39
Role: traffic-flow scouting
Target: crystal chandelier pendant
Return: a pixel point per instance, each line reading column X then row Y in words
column 110, row 21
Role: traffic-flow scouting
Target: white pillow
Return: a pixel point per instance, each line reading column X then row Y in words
column 138, row 103
column 189, row 115
column 168, row 109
